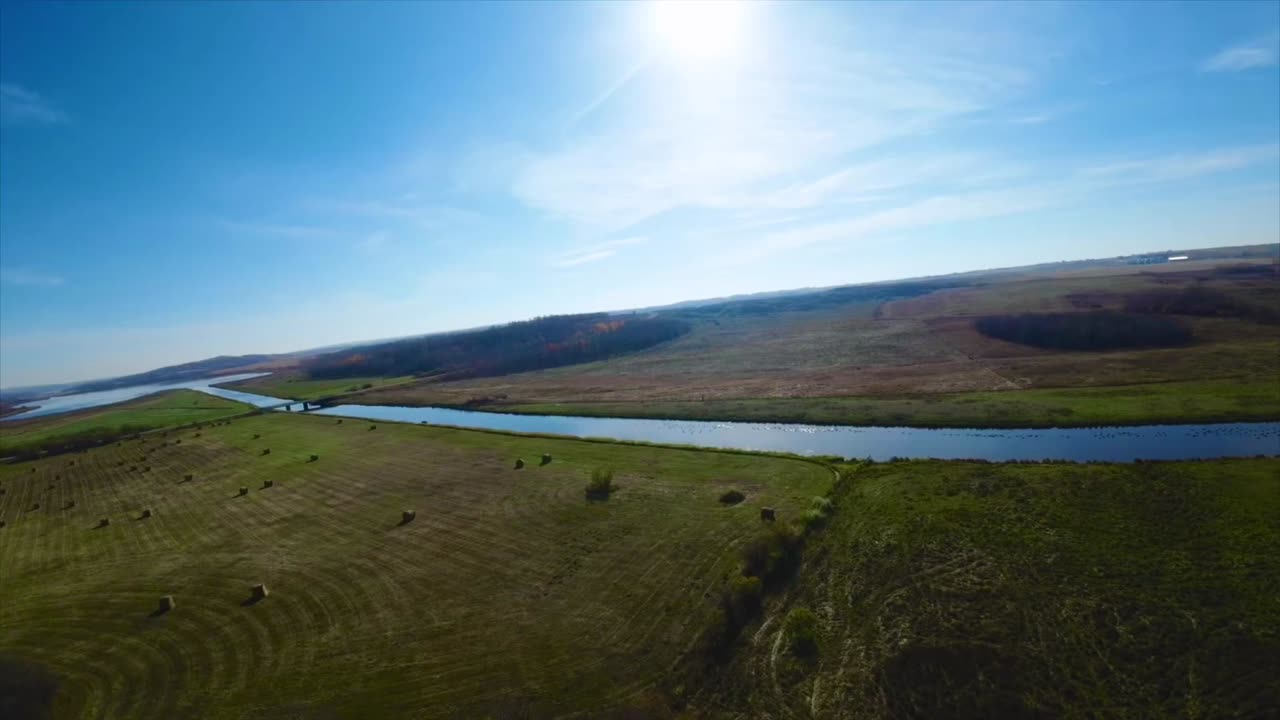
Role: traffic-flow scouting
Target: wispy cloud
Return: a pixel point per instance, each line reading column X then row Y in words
column 1179, row 166
column 20, row 106
column 24, row 277
column 1259, row 53
column 285, row 231
column 595, row 253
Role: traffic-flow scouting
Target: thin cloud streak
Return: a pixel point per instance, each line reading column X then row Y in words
column 1257, row 54
column 595, row 253
column 21, row 106
column 23, row 277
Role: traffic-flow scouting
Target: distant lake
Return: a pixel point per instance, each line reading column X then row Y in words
column 80, row 401
column 1115, row 444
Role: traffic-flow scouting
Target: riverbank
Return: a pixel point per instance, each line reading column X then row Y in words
column 1166, row 403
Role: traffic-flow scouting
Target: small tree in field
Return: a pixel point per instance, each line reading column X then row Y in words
column 601, row 484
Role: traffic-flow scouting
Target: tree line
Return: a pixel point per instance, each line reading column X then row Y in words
column 527, row 345
column 1086, row 331
column 1199, row 300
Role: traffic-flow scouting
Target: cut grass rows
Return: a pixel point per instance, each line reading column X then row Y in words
column 508, row 587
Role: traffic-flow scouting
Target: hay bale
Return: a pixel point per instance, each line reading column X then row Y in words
column 178, row 441
column 373, row 427
column 244, row 491
column 339, row 421
column 146, row 468
column 407, row 517
column 266, row 451
column 146, row 513
column 70, row 504
column 519, row 463
column 104, row 522
column 314, row 458
column 132, row 468
column 767, row 514
column 256, row 436
column 166, row 603
column 546, row 458
column 35, row 506
column 187, row 478
column 2, row 523
column 268, row 483
column 258, row 592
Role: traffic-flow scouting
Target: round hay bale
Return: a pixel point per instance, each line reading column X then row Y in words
column 268, row 483
column 519, row 463
column 2, row 523
column 186, row 478
column 266, row 451
column 258, row 592
column 104, row 522
column 314, row 458
column 339, row 422
column 256, row 436
column 546, row 458
column 166, row 603
column 244, row 491
column 35, row 506
column 70, row 504
column 373, row 427
column 768, row 514
column 146, row 513
column 407, row 517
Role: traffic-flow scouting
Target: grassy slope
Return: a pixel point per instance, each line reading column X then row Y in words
column 1208, row 401
column 165, row 409
column 1065, row 591
column 290, row 386
column 509, row 590
column 919, row 362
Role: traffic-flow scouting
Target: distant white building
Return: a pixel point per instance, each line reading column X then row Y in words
column 1176, row 258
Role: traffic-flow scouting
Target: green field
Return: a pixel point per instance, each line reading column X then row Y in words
column 1182, row 402
column 165, row 409
column 291, row 386
column 946, row 589
column 509, row 595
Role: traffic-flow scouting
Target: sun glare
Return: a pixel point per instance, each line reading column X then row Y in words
column 699, row 29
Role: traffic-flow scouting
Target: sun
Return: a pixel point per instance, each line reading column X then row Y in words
column 699, row 29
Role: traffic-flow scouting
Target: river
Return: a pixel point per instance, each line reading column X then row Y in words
column 1118, row 444
column 80, row 401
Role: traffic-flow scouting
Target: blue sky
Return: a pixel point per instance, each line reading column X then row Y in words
column 180, row 180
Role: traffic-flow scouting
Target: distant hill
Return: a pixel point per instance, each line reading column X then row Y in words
column 221, row 365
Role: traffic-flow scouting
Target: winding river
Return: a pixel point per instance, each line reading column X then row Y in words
column 1119, row 444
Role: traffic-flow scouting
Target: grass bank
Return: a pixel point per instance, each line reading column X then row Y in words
column 99, row 424
column 951, row 589
column 288, row 386
column 1206, row 401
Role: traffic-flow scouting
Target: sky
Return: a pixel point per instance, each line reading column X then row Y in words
column 185, row 180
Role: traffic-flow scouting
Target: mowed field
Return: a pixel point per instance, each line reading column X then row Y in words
column 918, row 361
column 948, row 590
column 164, row 409
column 509, row 594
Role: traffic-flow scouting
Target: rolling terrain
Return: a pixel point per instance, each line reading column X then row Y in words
column 920, row 360
column 509, row 595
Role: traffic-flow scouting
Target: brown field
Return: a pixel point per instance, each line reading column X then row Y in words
column 924, row 345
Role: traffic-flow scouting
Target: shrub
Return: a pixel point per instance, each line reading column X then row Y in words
column 801, row 629
column 742, row 600
column 732, row 497
column 817, row 514
column 601, row 484
column 772, row 555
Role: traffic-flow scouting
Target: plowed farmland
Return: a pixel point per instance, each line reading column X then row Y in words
column 508, row 594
